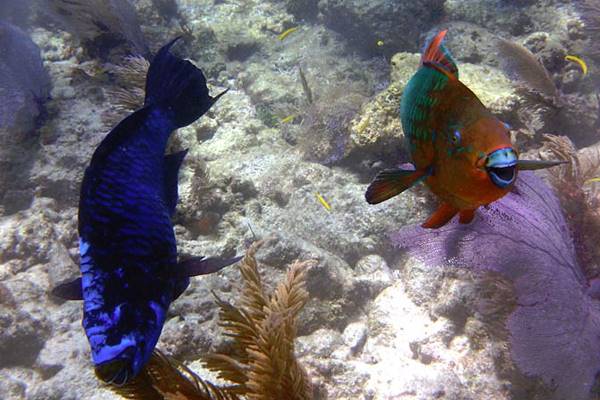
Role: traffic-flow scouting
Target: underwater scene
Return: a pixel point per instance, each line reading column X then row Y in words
column 300, row 199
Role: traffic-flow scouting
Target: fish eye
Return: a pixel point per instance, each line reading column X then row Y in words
column 455, row 138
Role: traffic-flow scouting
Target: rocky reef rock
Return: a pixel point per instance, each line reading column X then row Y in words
column 101, row 26
column 396, row 23
column 378, row 324
column 399, row 349
column 554, row 328
column 376, row 132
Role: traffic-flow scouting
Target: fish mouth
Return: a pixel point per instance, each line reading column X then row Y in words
column 501, row 166
column 117, row 371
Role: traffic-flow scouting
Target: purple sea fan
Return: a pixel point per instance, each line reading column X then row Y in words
column 24, row 83
column 554, row 332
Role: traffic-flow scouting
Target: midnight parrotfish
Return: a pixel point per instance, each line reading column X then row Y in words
column 130, row 272
column 459, row 148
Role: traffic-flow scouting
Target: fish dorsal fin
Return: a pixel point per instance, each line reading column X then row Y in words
column 436, row 54
column 120, row 134
column 172, row 163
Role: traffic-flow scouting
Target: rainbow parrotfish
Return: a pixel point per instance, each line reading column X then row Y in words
column 130, row 273
column 459, row 148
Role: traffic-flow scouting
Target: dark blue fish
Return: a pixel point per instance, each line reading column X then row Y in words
column 129, row 266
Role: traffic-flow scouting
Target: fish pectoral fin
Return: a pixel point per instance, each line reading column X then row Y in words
column 202, row 266
column 466, row 216
column 538, row 164
column 441, row 216
column 69, row 290
column 391, row 182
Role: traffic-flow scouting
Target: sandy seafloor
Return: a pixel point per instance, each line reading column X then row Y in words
column 378, row 325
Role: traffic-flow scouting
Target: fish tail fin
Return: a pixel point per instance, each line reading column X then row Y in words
column 437, row 54
column 178, row 86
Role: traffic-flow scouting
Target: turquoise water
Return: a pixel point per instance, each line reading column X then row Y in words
column 310, row 117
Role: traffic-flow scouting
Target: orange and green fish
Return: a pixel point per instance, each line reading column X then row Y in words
column 459, row 148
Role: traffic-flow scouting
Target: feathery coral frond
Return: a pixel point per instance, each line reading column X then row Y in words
column 253, row 298
column 100, row 24
column 579, row 201
column 165, row 378
column 520, row 64
column 264, row 365
column 128, row 94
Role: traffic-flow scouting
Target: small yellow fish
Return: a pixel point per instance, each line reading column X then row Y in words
column 285, row 33
column 380, row 43
column 592, row 180
column 323, row 202
column 287, row 119
column 579, row 61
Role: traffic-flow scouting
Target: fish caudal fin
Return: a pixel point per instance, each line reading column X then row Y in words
column 437, row 55
column 177, row 85
column 391, row 182
column 441, row 216
column 202, row 266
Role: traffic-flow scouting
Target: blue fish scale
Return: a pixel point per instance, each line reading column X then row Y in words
column 127, row 242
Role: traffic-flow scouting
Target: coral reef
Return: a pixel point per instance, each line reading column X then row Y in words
column 377, row 324
column 166, row 378
column 522, row 65
column 375, row 133
column 553, row 332
column 260, row 364
column 325, row 127
column 101, row 25
column 396, row 24
column 263, row 364
column 129, row 91
column 578, row 198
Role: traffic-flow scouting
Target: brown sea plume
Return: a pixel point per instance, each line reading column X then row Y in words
column 127, row 95
column 520, row 64
column 100, row 25
column 166, row 378
column 579, row 198
column 261, row 364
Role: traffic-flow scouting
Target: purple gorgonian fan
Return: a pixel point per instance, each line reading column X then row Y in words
column 554, row 332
